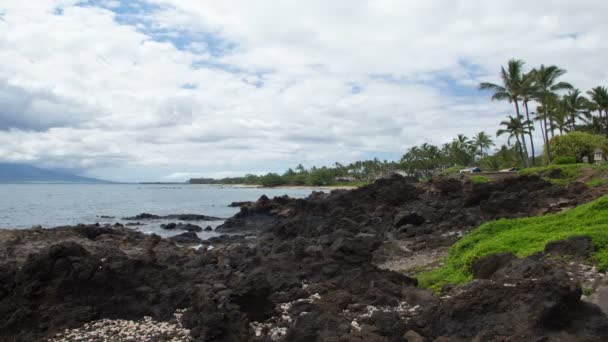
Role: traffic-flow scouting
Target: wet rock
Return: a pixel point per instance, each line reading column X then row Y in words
column 132, row 224
column 180, row 217
column 181, row 226
column 186, row 238
column 208, row 229
column 240, row 204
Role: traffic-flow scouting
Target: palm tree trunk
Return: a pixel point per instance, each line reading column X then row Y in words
column 573, row 121
column 547, row 146
column 530, row 132
column 523, row 137
column 604, row 121
column 518, row 147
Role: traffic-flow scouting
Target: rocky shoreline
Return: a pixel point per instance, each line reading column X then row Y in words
column 331, row 267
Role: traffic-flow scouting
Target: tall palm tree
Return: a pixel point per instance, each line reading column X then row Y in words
column 561, row 117
column 599, row 101
column 482, row 141
column 528, row 93
column 514, row 129
column 576, row 106
column 510, row 90
column 546, row 82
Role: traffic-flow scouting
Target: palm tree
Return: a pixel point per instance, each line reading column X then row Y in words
column 510, row 90
column 561, row 117
column 576, row 106
column 599, row 101
column 514, row 129
column 528, row 92
column 462, row 150
column 546, row 82
column 482, row 141
column 592, row 125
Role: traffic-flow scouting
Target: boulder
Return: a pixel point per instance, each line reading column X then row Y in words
column 486, row 266
column 186, row 238
column 181, row 226
column 580, row 247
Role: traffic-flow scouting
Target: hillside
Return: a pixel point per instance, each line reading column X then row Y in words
column 21, row 173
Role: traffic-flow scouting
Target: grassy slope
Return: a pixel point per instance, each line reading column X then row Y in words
column 523, row 237
column 568, row 173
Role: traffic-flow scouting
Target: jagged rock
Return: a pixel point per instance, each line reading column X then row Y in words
column 526, row 300
column 485, row 267
column 240, row 204
column 186, row 238
column 311, row 274
column 580, row 247
column 180, row 217
column 181, row 226
column 412, row 336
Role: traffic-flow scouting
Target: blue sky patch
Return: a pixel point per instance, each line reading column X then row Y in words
column 573, row 36
column 138, row 13
column 443, row 81
column 189, row 86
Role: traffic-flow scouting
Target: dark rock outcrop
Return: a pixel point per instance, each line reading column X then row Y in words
column 310, row 274
column 64, row 277
column 182, row 226
column 186, row 238
column 526, row 299
column 485, row 267
column 179, row 217
column 580, row 247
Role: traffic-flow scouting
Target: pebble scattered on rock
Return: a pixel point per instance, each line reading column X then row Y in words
column 145, row 330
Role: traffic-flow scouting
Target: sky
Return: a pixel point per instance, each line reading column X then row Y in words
column 165, row 90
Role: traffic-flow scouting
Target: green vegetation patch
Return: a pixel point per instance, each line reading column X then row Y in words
column 564, row 160
column 480, row 179
column 452, row 169
column 560, row 174
column 522, row 237
column 596, row 182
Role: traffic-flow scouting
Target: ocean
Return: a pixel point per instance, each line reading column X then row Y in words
column 52, row 205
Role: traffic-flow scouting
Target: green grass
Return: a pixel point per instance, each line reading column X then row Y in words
column 357, row 184
column 452, row 169
column 567, row 172
column 522, row 237
column 480, row 179
column 596, row 182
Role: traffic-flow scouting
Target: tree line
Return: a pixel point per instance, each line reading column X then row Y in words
column 541, row 102
column 356, row 172
column 560, row 107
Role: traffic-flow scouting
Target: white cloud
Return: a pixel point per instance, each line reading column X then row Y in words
column 273, row 83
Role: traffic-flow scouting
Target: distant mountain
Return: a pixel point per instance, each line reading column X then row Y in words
column 21, row 173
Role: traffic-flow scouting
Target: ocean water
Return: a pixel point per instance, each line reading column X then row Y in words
column 52, row 205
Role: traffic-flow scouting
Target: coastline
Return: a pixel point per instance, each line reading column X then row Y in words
column 289, row 187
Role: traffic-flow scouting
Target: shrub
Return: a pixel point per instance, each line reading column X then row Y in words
column 522, row 237
column 480, row 179
column 272, row 179
column 596, row 182
column 563, row 160
column 577, row 145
